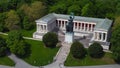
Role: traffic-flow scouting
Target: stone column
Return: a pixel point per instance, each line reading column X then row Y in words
column 38, row 28
column 64, row 24
column 105, row 36
column 61, row 24
column 81, row 27
column 91, row 27
column 84, row 27
column 97, row 36
column 101, row 36
column 87, row 27
column 77, row 26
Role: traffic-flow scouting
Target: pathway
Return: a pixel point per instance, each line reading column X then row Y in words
column 20, row 63
column 60, row 57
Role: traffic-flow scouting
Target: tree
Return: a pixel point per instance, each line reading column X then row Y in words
column 95, row 50
column 116, row 54
column 19, row 48
column 3, row 47
column 12, row 20
column 2, row 20
column 14, row 36
column 74, row 8
column 26, row 23
column 34, row 11
column 87, row 11
column 59, row 8
column 17, row 45
column 115, row 44
column 77, row 50
column 50, row 39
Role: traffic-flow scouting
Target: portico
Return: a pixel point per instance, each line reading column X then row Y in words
column 41, row 28
column 100, row 36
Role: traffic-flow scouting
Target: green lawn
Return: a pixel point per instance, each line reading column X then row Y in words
column 40, row 55
column 6, row 61
column 88, row 61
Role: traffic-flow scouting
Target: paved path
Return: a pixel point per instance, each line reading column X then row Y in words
column 60, row 57
column 101, row 66
column 20, row 63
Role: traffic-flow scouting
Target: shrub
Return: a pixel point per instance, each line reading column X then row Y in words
column 77, row 50
column 50, row 39
column 95, row 50
column 2, row 47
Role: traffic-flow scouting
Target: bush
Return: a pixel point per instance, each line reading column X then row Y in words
column 116, row 54
column 2, row 47
column 95, row 50
column 50, row 39
column 77, row 50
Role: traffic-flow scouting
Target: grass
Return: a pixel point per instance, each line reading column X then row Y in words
column 6, row 61
column 40, row 55
column 88, row 61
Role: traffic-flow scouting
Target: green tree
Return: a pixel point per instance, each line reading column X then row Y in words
column 19, row 48
column 26, row 23
column 75, row 9
column 116, row 54
column 59, row 8
column 2, row 20
column 88, row 10
column 17, row 44
column 77, row 50
column 115, row 44
column 12, row 20
column 3, row 47
column 34, row 11
column 50, row 39
column 14, row 36
column 95, row 50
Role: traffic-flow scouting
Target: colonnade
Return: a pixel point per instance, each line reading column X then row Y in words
column 78, row 26
column 100, row 36
column 41, row 27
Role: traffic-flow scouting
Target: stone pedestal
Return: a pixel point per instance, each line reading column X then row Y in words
column 69, row 37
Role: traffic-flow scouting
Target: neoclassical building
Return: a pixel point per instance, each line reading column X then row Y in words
column 96, row 28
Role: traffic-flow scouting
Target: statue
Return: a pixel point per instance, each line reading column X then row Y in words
column 69, row 26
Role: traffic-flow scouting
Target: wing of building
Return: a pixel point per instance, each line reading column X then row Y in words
column 97, row 28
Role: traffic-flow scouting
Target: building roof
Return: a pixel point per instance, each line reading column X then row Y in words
column 103, row 24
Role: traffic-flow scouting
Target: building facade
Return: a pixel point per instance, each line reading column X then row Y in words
column 98, row 28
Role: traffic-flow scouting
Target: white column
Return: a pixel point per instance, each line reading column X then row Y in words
column 38, row 28
column 91, row 27
column 81, row 26
column 97, row 36
column 101, row 36
column 64, row 24
column 105, row 36
column 61, row 24
column 84, row 26
column 88, row 27
column 77, row 26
